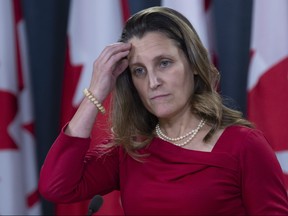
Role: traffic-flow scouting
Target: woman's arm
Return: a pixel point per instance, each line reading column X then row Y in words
column 263, row 186
column 72, row 173
column 108, row 66
column 68, row 174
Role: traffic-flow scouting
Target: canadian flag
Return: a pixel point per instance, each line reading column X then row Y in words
column 268, row 75
column 198, row 12
column 18, row 173
column 92, row 25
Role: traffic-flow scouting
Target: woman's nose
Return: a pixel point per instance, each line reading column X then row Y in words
column 154, row 80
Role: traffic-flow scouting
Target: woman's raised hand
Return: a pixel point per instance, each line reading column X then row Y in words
column 107, row 67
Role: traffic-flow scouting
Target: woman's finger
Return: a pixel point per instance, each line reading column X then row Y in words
column 112, row 50
column 120, row 67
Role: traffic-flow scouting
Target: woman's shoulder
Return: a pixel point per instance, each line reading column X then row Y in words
column 242, row 132
column 242, row 138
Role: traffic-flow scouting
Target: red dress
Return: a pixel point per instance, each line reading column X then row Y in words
column 240, row 176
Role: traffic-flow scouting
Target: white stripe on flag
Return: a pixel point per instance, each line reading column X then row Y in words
column 283, row 160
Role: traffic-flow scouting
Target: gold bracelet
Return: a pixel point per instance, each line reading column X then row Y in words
column 92, row 98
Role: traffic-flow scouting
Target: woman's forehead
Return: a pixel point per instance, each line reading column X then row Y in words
column 151, row 45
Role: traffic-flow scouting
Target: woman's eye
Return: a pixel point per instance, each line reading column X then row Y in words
column 139, row 71
column 165, row 63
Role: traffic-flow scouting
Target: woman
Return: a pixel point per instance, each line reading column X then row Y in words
column 176, row 149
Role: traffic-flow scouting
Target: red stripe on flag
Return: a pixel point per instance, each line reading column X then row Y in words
column 17, row 11
column 17, row 18
column 207, row 5
column 72, row 75
column 125, row 10
column 268, row 105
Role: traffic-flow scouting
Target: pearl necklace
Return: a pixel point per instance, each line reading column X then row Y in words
column 192, row 134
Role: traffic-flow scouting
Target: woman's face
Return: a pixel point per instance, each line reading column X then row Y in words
column 161, row 74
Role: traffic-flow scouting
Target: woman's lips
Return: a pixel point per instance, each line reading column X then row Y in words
column 158, row 97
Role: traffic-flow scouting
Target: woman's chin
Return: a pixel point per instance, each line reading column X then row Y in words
column 163, row 113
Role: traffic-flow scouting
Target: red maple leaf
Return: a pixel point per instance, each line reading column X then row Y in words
column 8, row 112
column 29, row 127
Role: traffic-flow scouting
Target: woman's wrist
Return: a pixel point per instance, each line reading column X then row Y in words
column 83, row 120
column 94, row 100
